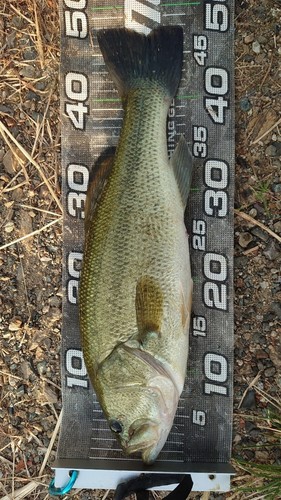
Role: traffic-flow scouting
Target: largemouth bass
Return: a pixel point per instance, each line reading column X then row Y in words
column 136, row 286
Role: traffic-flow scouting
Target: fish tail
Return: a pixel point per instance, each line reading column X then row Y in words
column 133, row 58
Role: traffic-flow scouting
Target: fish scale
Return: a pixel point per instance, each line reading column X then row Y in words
column 143, row 184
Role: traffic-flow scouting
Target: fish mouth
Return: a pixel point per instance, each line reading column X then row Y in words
column 146, row 438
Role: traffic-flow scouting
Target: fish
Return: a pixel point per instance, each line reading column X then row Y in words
column 135, row 291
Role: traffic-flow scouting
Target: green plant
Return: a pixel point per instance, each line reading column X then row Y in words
column 262, row 481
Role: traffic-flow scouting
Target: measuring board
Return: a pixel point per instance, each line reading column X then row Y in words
column 200, row 440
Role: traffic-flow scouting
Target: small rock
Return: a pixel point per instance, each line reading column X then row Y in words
column 30, row 54
column 271, row 251
column 261, row 456
column 264, row 285
column 245, row 104
column 259, row 233
column 9, row 227
column 17, row 22
column 28, row 71
column 250, row 426
column 50, row 394
column 6, row 109
column 277, row 145
column 276, row 308
column 276, row 188
column 15, row 325
column 276, row 163
column 256, row 47
column 17, row 194
column 248, row 39
column 249, row 400
column 21, row 390
column 41, row 85
column 42, row 367
column 253, row 212
column 269, row 372
column 271, row 150
column 9, row 162
column 277, row 226
column 261, row 354
column 245, row 239
column 241, row 261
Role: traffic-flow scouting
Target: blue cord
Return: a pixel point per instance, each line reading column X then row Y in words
column 73, row 474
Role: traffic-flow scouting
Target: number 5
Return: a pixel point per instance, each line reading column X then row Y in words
column 216, row 17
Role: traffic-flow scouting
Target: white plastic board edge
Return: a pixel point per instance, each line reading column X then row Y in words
column 109, row 479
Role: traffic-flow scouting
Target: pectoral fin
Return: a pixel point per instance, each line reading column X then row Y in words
column 149, row 307
column 181, row 162
column 97, row 183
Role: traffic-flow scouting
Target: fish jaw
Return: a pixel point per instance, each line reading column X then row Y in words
column 148, row 438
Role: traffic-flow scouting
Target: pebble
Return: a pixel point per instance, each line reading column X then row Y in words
column 9, row 227
column 15, row 325
column 21, row 390
column 271, row 251
column 28, row 71
column 256, row 47
column 270, row 372
column 277, row 226
column 277, row 145
column 245, row 104
column 245, row 239
column 276, row 163
column 276, row 188
column 9, row 162
column 271, row 150
column 240, row 262
column 42, row 367
column 253, row 212
column 276, row 308
column 259, row 233
column 249, row 400
column 248, row 39
column 261, row 456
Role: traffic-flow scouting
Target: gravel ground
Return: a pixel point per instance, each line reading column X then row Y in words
column 31, row 268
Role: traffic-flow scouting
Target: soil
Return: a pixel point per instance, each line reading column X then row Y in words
column 31, row 268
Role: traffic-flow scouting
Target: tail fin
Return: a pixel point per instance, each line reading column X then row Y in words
column 133, row 57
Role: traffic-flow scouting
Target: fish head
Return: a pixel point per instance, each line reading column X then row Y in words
column 139, row 400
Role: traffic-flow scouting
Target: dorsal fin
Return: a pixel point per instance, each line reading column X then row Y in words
column 181, row 162
column 98, row 180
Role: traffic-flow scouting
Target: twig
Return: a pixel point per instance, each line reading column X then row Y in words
column 105, row 495
column 39, row 39
column 4, row 131
column 267, row 132
column 56, row 430
column 257, row 223
column 38, row 209
column 22, row 492
column 12, row 188
column 267, row 73
column 37, row 231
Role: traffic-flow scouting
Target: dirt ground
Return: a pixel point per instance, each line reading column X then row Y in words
column 30, row 276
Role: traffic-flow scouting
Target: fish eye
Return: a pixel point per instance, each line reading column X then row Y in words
column 116, row 426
